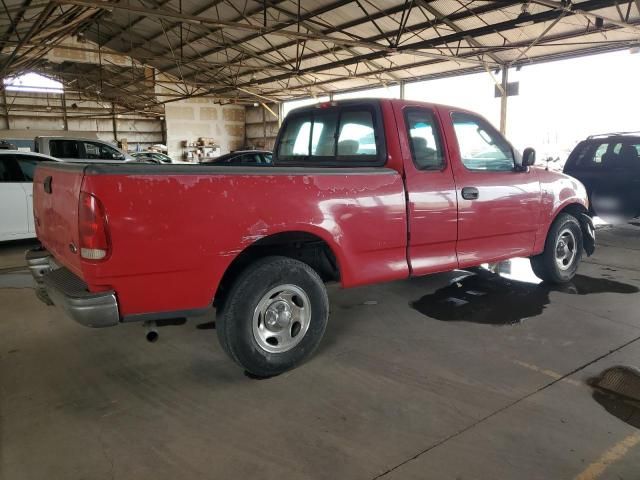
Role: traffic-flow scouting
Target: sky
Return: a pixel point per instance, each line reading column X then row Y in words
column 559, row 104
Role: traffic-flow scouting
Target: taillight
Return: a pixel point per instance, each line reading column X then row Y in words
column 92, row 226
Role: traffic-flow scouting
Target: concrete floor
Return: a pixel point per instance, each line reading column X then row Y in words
column 468, row 389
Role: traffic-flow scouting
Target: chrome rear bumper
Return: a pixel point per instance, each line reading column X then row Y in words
column 61, row 287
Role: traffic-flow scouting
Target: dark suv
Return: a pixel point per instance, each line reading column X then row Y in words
column 609, row 167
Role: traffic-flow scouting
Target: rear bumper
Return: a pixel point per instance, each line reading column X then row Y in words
column 61, row 287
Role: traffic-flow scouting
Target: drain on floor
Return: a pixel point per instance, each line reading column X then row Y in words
column 617, row 389
column 504, row 295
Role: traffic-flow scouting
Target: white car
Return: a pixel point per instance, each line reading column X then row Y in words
column 16, row 193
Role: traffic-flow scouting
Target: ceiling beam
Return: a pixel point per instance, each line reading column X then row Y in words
column 575, row 8
column 40, row 19
column 271, row 31
column 606, row 46
column 548, row 15
column 374, row 16
column 197, row 12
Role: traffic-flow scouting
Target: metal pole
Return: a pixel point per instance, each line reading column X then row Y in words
column 115, row 123
column 65, row 120
column 503, row 100
column 402, row 83
column 264, row 128
column 6, row 108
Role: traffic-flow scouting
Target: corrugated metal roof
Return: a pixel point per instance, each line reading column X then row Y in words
column 282, row 49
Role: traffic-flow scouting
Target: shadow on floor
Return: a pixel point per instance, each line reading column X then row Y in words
column 506, row 296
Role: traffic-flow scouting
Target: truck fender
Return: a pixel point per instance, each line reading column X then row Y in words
column 588, row 233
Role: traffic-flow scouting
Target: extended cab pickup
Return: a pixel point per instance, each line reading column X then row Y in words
column 361, row 191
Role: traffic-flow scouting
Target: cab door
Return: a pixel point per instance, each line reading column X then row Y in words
column 13, row 202
column 431, row 190
column 498, row 204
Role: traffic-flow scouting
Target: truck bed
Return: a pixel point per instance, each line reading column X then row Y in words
column 175, row 229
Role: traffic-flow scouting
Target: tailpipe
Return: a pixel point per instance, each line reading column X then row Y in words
column 152, row 334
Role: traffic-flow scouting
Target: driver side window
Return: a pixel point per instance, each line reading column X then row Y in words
column 99, row 151
column 482, row 147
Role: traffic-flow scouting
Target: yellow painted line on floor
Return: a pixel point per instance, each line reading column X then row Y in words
column 548, row 373
column 615, row 453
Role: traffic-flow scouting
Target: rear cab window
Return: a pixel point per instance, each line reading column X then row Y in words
column 64, row 149
column 344, row 135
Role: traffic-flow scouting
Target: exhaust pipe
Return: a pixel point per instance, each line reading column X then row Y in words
column 152, row 334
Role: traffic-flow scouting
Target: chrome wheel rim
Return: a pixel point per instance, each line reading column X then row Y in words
column 566, row 249
column 281, row 318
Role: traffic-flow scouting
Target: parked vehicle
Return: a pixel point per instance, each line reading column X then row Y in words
column 361, row 191
column 154, row 157
column 609, row 167
column 243, row 157
column 16, row 205
column 80, row 150
column 5, row 145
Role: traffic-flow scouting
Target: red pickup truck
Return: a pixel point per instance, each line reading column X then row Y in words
column 361, row 191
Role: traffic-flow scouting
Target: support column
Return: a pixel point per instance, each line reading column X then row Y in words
column 65, row 120
column 402, row 83
column 264, row 128
column 115, row 123
column 6, row 108
column 503, row 100
column 163, row 126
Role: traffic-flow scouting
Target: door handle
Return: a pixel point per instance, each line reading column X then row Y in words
column 470, row 193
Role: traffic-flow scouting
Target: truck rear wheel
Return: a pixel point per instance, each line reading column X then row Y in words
column 274, row 316
column 562, row 253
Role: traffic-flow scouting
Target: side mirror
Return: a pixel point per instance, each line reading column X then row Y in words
column 528, row 157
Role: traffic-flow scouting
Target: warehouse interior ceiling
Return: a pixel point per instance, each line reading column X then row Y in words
column 274, row 50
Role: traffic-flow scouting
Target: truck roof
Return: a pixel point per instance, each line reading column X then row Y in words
column 369, row 100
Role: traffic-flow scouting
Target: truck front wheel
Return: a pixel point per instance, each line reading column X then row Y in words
column 562, row 253
column 274, row 316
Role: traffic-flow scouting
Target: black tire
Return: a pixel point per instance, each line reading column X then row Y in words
column 545, row 265
column 235, row 321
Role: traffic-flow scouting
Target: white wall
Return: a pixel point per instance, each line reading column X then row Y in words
column 198, row 117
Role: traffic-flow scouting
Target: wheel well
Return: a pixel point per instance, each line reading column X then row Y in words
column 574, row 209
column 302, row 246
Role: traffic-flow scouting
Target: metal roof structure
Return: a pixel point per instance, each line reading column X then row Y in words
column 248, row 50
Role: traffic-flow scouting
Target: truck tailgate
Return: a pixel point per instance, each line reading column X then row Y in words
column 56, row 192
